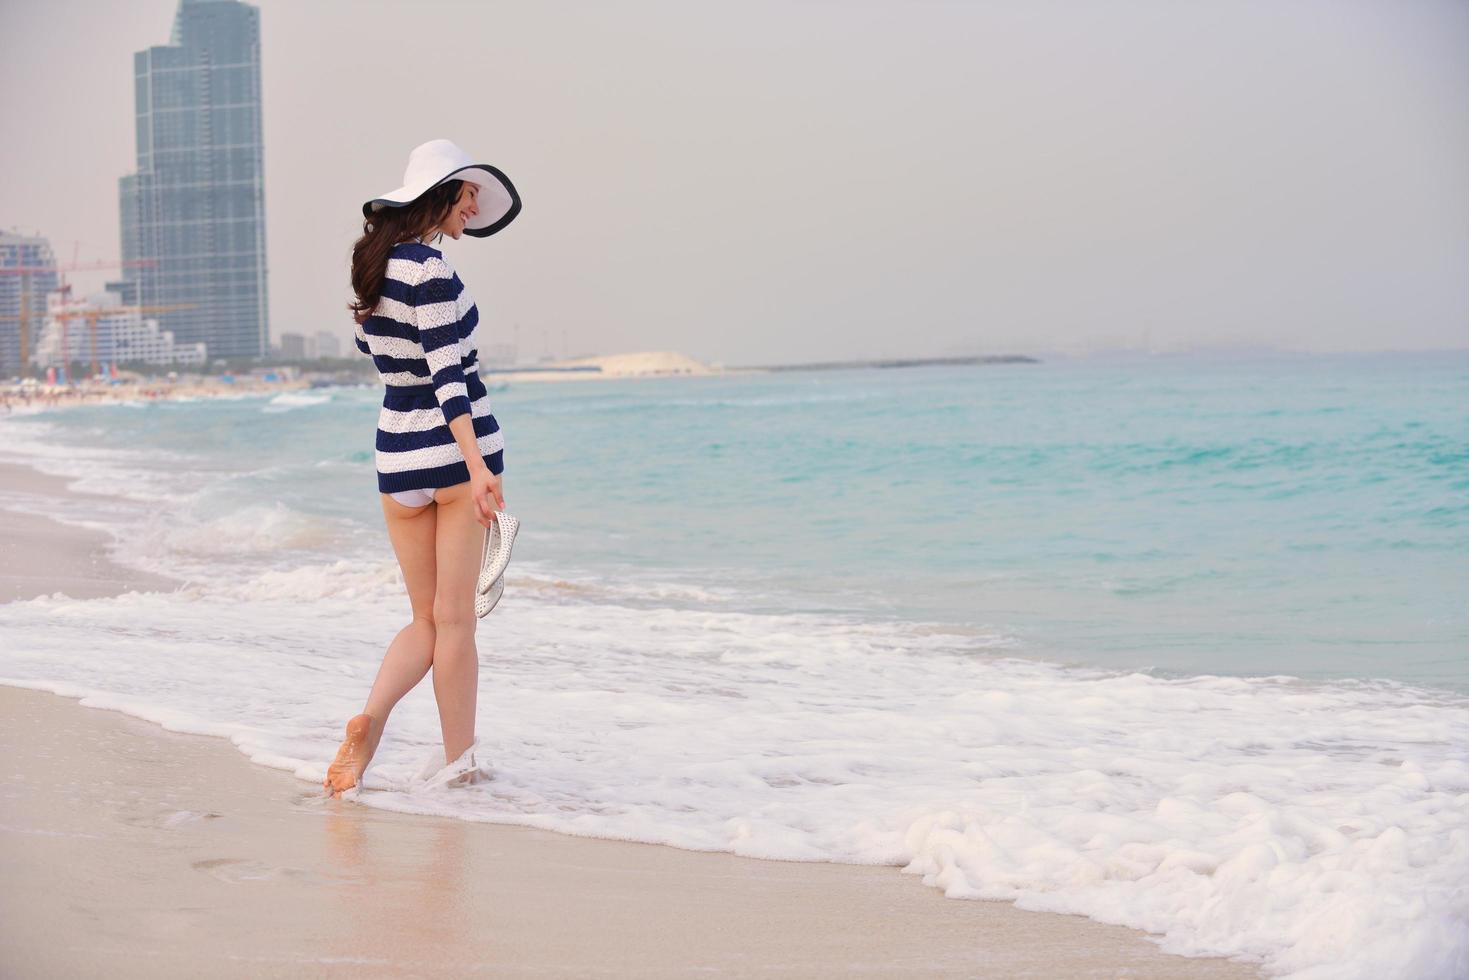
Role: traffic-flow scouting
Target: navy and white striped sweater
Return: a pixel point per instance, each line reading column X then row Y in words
column 421, row 339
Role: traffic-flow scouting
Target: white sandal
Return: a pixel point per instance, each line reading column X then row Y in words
column 469, row 769
column 499, row 538
column 484, row 603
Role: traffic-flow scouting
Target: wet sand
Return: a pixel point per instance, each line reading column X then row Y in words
column 127, row 850
column 39, row 556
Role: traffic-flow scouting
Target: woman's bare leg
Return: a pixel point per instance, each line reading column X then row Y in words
column 409, row 656
column 413, row 533
column 459, row 543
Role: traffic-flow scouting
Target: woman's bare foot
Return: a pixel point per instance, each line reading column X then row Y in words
column 346, row 770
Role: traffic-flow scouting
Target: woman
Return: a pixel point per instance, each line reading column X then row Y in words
column 439, row 450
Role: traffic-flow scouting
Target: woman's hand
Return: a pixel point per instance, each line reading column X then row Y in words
column 484, row 486
column 485, row 490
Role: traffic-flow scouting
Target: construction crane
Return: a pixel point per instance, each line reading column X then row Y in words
column 26, row 271
column 92, row 315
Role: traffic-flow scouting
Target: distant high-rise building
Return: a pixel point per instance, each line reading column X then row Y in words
column 197, row 201
column 293, row 347
column 126, row 290
column 107, row 338
column 27, row 274
column 308, row 347
column 327, row 344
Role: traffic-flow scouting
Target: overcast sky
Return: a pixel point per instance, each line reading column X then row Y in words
column 753, row 182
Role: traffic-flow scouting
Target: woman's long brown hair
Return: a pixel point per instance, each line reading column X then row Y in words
column 386, row 228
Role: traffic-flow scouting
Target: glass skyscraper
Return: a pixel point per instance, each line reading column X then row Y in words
column 27, row 274
column 197, row 201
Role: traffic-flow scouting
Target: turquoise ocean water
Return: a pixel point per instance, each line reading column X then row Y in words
column 1175, row 643
column 1304, row 516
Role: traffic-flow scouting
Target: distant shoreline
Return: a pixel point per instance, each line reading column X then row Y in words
column 28, row 399
column 668, row 364
column 900, row 363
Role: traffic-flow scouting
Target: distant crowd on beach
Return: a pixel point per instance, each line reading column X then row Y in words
column 39, row 399
column 24, row 399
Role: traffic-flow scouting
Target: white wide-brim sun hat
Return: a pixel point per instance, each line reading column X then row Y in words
column 432, row 163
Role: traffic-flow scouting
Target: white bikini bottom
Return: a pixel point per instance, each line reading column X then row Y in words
column 415, row 498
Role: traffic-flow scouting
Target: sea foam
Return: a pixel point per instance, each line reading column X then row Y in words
column 1318, row 827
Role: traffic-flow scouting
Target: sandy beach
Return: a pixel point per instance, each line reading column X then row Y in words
column 28, row 399
column 134, row 851
column 39, row 556
column 25, row 399
column 638, row 364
